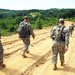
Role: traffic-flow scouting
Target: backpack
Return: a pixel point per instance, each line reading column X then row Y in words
column 71, row 28
column 59, row 34
column 23, row 30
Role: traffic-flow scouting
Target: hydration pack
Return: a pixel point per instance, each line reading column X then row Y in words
column 71, row 27
column 23, row 30
column 59, row 35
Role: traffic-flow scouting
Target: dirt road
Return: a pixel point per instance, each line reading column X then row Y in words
column 38, row 61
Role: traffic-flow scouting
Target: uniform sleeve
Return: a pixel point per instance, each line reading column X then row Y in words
column 66, row 37
column 52, row 33
column 31, row 31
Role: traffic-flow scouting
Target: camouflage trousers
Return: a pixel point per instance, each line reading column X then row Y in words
column 26, row 42
column 71, row 31
column 1, row 53
column 58, row 48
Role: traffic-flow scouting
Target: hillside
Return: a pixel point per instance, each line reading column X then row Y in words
column 10, row 19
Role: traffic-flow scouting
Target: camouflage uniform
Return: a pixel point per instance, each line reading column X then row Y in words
column 1, row 53
column 72, row 28
column 58, row 45
column 26, row 40
column 1, row 50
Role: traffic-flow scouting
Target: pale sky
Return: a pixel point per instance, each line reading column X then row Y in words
column 36, row 4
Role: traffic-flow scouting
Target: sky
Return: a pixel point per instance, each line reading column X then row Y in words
column 36, row 4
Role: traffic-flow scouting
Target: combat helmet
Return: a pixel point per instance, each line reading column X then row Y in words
column 61, row 20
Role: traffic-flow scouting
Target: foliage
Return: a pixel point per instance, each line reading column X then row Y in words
column 39, row 23
column 10, row 19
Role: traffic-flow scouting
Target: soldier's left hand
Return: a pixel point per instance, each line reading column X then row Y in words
column 66, row 48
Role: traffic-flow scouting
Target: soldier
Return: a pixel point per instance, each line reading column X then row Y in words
column 26, row 36
column 60, row 36
column 1, row 53
column 71, row 28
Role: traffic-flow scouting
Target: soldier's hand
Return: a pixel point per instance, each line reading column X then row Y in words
column 33, row 37
column 66, row 49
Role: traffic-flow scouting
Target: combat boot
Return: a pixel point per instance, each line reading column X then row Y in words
column 27, row 51
column 2, row 65
column 24, row 56
column 55, row 67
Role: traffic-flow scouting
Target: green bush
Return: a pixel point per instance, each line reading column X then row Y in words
column 39, row 23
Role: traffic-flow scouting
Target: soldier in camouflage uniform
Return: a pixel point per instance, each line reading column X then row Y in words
column 26, row 40
column 71, row 28
column 60, row 45
column 1, row 53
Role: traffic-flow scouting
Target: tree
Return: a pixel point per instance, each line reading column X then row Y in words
column 39, row 23
column 18, row 20
column 3, row 26
column 12, row 29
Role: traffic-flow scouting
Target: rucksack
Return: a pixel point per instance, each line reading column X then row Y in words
column 23, row 30
column 59, row 34
column 71, row 27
